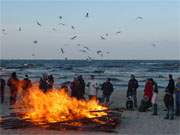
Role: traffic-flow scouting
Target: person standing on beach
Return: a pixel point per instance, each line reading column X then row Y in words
column 50, row 82
column 93, row 88
column 82, row 86
column 13, row 85
column 26, row 83
column 154, row 97
column 178, row 97
column 169, row 99
column 75, row 88
column 107, row 89
column 132, row 89
column 43, row 83
column 2, row 86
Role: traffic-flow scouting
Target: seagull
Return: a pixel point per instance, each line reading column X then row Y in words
column 87, row 15
column 107, row 52
column 86, row 48
column 60, row 17
column 118, row 32
column 103, row 38
column 72, row 38
column 38, row 23
column 33, row 54
column 78, row 44
column 20, row 29
column 106, row 34
column 3, row 30
column 98, row 52
column 54, row 29
column 61, row 24
column 72, row 27
column 62, row 51
column 154, row 45
column 139, row 18
column 35, row 41
column 84, row 51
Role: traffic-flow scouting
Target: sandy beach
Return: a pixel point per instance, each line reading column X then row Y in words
column 133, row 122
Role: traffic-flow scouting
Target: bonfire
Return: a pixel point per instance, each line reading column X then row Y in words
column 55, row 109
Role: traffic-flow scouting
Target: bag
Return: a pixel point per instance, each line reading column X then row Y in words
column 129, row 104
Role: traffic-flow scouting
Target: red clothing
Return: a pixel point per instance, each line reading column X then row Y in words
column 148, row 90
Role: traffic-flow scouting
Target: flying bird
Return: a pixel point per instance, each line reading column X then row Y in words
column 87, row 15
column 61, row 24
column 78, row 44
column 38, row 23
column 154, row 45
column 118, row 32
column 99, row 51
column 54, row 29
column 3, row 30
column 62, row 51
column 107, row 52
column 103, row 38
column 60, row 17
column 84, row 51
column 87, row 48
column 20, row 29
column 35, row 41
column 106, row 34
column 139, row 18
column 72, row 38
column 72, row 27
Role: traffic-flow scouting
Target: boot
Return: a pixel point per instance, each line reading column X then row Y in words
column 155, row 109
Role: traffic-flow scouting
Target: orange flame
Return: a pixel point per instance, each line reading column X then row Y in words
column 55, row 106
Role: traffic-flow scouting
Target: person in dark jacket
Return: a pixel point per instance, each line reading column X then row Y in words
column 50, row 81
column 26, row 83
column 75, row 88
column 107, row 89
column 13, row 85
column 82, row 86
column 132, row 89
column 178, row 97
column 169, row 99
column 2, row 86
column 43, row 83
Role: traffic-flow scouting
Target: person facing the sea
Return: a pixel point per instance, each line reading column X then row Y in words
column 93, row 87
column 50, row 81
column 154, row 97
column 132, row 89
column 169, row 99
column 2, row 86
column 107, row 89
column 178, row 97
column 82, row 86
column 13, row 85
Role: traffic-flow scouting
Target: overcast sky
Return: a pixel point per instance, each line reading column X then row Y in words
column 156, row 36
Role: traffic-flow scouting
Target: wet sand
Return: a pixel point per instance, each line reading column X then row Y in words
column 133, row 122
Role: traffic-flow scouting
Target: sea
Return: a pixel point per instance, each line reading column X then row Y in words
column 118, row 70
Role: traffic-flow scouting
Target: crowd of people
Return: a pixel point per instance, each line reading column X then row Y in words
column 77, row 89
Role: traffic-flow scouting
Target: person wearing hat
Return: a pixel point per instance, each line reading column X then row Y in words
column 107, row 89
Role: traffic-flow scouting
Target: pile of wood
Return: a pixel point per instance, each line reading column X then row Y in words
column 106, row 123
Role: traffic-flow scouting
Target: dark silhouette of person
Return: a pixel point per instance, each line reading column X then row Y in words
column 43, row 83
column 107, row 89
column 169, row 99
column 132, row 89
column 13, row 85
column 82, row 86
column 2, row 86
column 75, row 88
column 26, row 83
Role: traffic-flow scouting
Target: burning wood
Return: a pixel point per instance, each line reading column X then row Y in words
column 57, row 110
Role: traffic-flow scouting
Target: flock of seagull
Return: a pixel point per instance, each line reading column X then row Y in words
column 84, row 49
